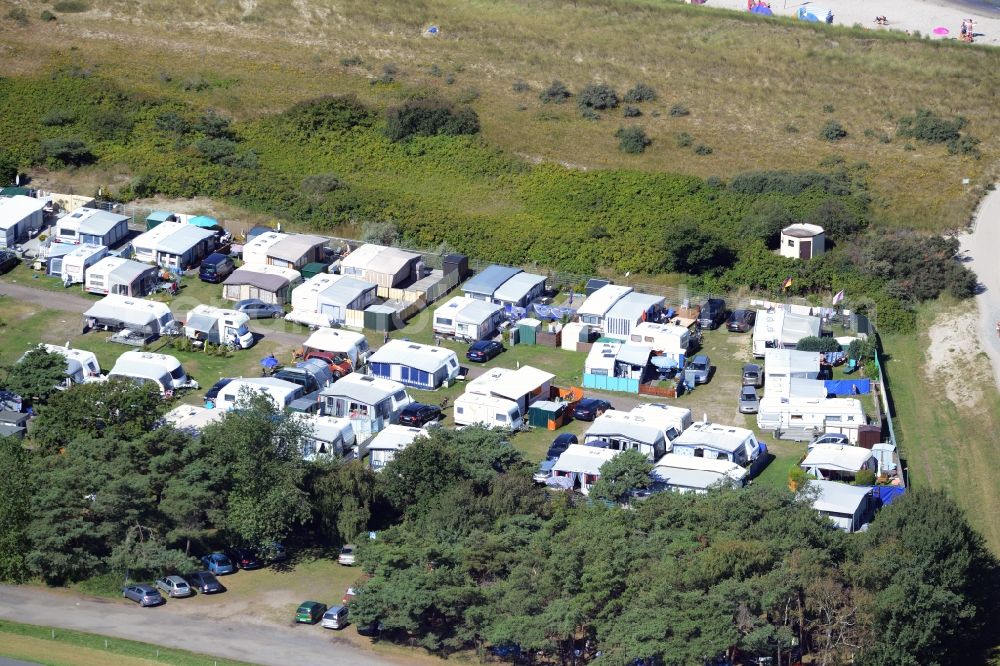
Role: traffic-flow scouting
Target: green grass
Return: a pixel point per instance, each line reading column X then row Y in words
column 72, row 648
column 741, row 97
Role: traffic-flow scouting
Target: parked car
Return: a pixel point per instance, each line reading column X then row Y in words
column 370, row 630
column 218, row 564
column 544, row 472
column 8, row 260
column 753, row 375
column 215, row 268
column 245, row 558
column 741, row 321
column 417, row 414
column 830, row 438
column 204, row 583
column 258, row 309
column 174, row 586
column 346, row 556
column 698, row 369
column 713, row 313
column 213, row 392
column 589, row 409
column 749, row 402
column 560, row 444
column 144, row 595
column 309, row 612
column 277, row 553
column 483, row 350
column 336, row 618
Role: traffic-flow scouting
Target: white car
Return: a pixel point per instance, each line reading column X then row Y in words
column 346, row 556
column 174, row 586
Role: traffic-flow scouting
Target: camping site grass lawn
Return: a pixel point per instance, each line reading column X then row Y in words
column 77, row 648
column 943, row 445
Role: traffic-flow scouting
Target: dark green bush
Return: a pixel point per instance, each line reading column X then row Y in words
column 640, row 93
column 111, row 125
column 58, row 117
column 429, row 118
column 788, row 182
column 216, row 150
column 837, row 220
column 926, row 126
column 702, row 149
column 631, row 112
column 814, row 344
column 65, row 152
column 172, row 122
column 319, row 184
column 690, row 249
column 766, row 220
column 832, row 131
column 598, row 96
column 679, row 111
column 330, row 113
column 520, row 86
column 71, row 6
column 214, row 126
column 684, row 140
column 351, row 61
column 590, row 114
column 864, row 477
column 632, row 139
column 8, row 167
column 555, row 93
column 828, row 108
column 47, row 16
column 966, row 145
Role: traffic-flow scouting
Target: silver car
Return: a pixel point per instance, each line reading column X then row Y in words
column 749, row 403
column 174, row 586
column 144, row 595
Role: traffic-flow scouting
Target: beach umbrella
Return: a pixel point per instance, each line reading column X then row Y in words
column 940, row 30
column 269, row 362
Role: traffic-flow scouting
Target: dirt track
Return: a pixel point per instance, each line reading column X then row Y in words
column 980, row 247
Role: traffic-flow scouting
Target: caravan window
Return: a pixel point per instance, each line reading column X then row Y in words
column 459, row 410
column 177, row 373
column 400, row 396
column 501, row 418
column 444, row 322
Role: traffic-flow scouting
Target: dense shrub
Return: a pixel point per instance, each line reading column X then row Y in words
column 691, row 249
column 632, row 139
column 380, row 233
column 788, row 182
column 59, row 117
column 832, row 131
column 631, row 112
column 702, row 149
column 864, row 477
column 966, row 145
column 916, row 268
column 766, row 220
column 598, row 96
column 590, row 114
column 684, row 140
column 71, row 6
column 679, row 111
column 319, row 184
column 216, row 150
column 111, row 125
column 837, row 220
column 555, row 93
column 214, row 126
column 814, row 344
column 520, row 86
column 429, row 118
column 330, row 113
column 172, row 122
column 65, row 152
column 47, row 16
column 925, row 126
column 8, row 168
column 640, row 93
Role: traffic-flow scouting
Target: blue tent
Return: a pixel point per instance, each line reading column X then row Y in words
column 204, row 222
column 763, row 10
column 815, row 14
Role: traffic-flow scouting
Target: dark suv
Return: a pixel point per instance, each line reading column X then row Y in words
column 713, row 313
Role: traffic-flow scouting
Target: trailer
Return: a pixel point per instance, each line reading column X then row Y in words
column 116, row 275
column 160, row 369
column 487, row 410
column 328, row 343
column 149, row 319
column 76, row 263
column 218, row 326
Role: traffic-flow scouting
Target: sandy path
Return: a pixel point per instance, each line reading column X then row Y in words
column 981, row 247
column 903, row 15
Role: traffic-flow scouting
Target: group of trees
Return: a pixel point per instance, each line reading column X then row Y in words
column 471, row 554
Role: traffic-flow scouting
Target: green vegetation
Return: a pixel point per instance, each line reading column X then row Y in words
column 632, row 139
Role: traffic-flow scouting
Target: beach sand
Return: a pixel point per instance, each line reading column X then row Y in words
column 903, row 15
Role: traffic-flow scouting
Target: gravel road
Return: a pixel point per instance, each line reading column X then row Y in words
column 980, row 247
column 69, row 301
column 260, row 644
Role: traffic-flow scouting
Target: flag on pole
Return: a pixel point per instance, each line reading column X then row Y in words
column 838, row 297
column 787, row 283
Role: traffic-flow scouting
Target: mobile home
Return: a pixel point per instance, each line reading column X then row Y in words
column 19, row 217
column 687, row 474
column 124, row 277
column 145, row 367
column 382, row 449
column 834, row 462
column 802, row 416
column 711, row 440
column 327, row 342
column 370, row 402
column 332, row 296
column 280, row 392
column 484, row 285
column 520, row 290
column 672, row 420
column 218, row 326
column 781, row 329
column 848, row 507
column 255, row 251
column 522, row 386
column 383, row 266
column 91, row 226
column 412, row 364
column 623, row 432
column 329, row 438
column 82, row 366
column 76, row 263
column 668, row 340
column 271, row 284
column 487, row 410
column 174, row 245
column 296, row 250
column 630, row 311
column 192, row 419
column 115, row 312
column 581, row 465
column 790, row 364
column 593, row 310
column 467, row 318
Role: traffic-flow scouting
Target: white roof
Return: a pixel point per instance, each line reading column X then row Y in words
column 785, row 326
column 634, row 353
column 802, row 230
column 154, row 236
column 333, row 340
column 392, row 260
column 362, row 257
column 293, row 246
column 73, row 357
column 257, row 249
column 136, row 310
column 289, row 274
column 452, row 306
column 415, row 355
column 131, row 360
column 511, row 384
column 326, row 428
column 364, row 389
column 583, row 459
column 476, row 312
column 193, row 416
column 622, row 424
column 837, row 497
column 212, row 311
column 692, row 472
column 602, row 300
column 665, row 416
column 395, row 438
column 837, row 457
column 518, row 287
column 85, row 250
column 631, row 306
column 15, row 209
column 790, row 361
column 653, row 330
column 603, row 355
column 794, row 387
column 713, row 435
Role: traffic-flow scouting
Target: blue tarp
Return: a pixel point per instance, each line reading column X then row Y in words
column 763, row 10
column 848, row 386
column 204, row 222
column 887, row 494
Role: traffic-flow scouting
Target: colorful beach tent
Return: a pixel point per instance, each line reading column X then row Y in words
column 763, row 10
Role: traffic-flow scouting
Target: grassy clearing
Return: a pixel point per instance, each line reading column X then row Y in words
column 947, row 446
column 77, row 648
column 255, row 59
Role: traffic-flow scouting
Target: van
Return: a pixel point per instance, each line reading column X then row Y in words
column 215, row 268
column 335, row 618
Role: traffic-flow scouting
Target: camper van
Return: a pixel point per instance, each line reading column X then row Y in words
column 114, row 312
column 487, row 410
column 281, row 392
column 76, row 263
column 326, row 343
column 160, row 369
column 207, row 324
column 81, row 365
